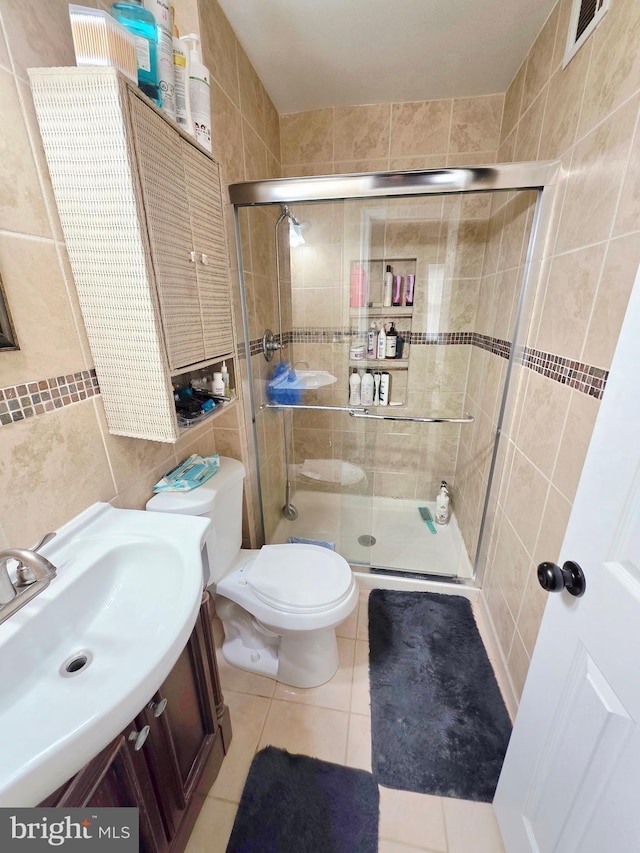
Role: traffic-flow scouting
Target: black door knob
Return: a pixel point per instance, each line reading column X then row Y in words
column 570, row 577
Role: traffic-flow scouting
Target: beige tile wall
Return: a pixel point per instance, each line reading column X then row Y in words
column 54, row 465
column 586, row 115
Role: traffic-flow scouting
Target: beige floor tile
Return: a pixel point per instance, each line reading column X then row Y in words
column 392, row 847
column 319, row 732
column 360, row 698
column 363, row 618
column 471, row 827
column 359, row 742
column 213, row 827
column 413, row 819
column 336, row 693
column 248, row 715
column 349, row 627
column 242, row 681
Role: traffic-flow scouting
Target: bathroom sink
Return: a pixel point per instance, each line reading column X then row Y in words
column 315, row 378
column 82, row 658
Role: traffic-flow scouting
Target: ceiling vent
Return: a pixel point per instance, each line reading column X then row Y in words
column 585, row 17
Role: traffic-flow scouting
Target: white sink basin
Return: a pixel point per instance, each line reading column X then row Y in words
column 126, row 597
column 315, row 378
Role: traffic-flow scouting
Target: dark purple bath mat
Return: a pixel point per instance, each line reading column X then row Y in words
column 438, row 721
column 299, row 804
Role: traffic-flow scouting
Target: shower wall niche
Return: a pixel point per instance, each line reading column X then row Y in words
column 359, row 482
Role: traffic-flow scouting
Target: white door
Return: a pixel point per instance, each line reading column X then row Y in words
column 571, row 777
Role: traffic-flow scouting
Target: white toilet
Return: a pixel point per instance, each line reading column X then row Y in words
column 280, row 605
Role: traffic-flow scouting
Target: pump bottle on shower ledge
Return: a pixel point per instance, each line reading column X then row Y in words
column 442, row 504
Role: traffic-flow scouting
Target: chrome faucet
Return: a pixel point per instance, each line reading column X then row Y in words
column 33, row 574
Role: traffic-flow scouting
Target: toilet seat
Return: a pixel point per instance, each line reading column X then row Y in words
column 285, row 601
column 298, row 578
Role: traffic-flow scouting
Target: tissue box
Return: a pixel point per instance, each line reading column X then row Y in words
column 98, row 39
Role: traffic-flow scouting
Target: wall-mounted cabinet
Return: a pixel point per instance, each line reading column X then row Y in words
column 141, row 210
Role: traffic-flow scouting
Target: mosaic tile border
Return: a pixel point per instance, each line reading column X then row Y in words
column 28, row 399
column 583, row 377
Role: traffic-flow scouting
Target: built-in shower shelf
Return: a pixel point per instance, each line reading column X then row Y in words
column 382, row 311
column 380, row 363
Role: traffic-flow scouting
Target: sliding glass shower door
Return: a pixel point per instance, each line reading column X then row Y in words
column 364, row 473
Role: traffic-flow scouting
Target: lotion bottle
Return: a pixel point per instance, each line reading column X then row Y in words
column 225, row 376
column 391, row 343
column 354, row 388
column 366, row 389
column 382, row 343
column 442, row 504
column 199, row 92
column 387, row 287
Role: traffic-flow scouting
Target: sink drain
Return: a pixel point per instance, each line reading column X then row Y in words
column 76, row 663
column 366, row 540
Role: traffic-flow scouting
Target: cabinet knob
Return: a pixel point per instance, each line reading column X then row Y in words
column 205, row 259
column 193, row 256
column 157, row 708
column 140, row 737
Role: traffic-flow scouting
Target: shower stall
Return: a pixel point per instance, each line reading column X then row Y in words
column 364, row 476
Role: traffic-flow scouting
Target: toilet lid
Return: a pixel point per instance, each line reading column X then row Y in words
column 300, row 578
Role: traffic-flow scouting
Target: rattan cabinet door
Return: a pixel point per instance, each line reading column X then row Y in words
column 204, row 196
column 164, row 190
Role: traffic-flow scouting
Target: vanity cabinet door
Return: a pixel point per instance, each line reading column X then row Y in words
column 117, row 777
column 186, row 746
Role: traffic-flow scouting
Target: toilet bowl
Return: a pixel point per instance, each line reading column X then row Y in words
column 279, row 605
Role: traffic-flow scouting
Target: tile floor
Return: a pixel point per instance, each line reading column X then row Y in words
column 332, row 722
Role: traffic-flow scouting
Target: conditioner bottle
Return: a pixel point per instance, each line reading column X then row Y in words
column 354, row 388
column 366, row 389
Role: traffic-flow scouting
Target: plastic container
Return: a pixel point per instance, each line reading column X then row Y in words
column 142, row 25
column 372, row 340
column 218, row 385
column 382, row 343
column 98, row 39
column 166, row 75
column 385, row 388
column 181, row 79
column 442, row 504
column 396, row 298
column 199, row 92
column 358, row 286
column 411, row 281
column 391, row 343
column 366, row 389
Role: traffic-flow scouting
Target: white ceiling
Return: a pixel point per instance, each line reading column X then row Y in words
column 318, row 53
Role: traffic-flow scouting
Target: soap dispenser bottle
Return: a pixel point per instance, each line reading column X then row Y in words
column 442, row 504
column 199, row 92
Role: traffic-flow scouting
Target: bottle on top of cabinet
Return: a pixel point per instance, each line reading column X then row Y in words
column 142, row 25
column 166, row 72
column 199, row 92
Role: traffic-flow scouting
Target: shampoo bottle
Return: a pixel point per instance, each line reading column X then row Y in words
column 354, row 388
column 382, row 343
column 366, row 389
column 142, row 25
column 391, row 343
column 376, row 388
column 199, row 92
column 372, row 340
column 357, row 286
column 387, row 287
column 166, row 74
column 442, row 504
column 385, row 381
column 181, row 76
column 396, row 298
column 411, row 281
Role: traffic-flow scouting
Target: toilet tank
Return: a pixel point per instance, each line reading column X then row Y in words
column 220, row 499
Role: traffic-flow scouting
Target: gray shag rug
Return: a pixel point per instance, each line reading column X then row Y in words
column 438, row 721
column 298, row 804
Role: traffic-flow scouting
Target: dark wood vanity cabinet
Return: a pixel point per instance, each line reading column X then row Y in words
column 166, row 760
